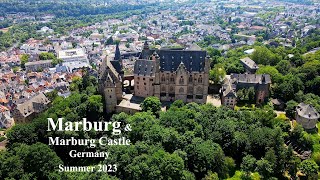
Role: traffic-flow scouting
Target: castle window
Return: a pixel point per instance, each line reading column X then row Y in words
column 181, row 81
column 171, row 78
column 181, row 90
column 190, row 79
column 110, row 97
column 163, row 79
column 200, row 79
column 163, row 89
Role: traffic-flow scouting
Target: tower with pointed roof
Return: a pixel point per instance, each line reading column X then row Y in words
column 110, row 84
column 117, row 55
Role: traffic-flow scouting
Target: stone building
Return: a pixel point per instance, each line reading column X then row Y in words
column 6, row 121
column 110, row 81
column 307, row 116
column 249, row 65
column 27, row 110
column 38, row 65
column 172, row 74
column 169, row 74
column 260, row 82
column 229, row 95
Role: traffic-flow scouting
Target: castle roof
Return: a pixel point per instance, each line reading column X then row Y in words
column 229, row 90
column 252, row 78
column 193, row 60
column 117, row 66
column 307, row 111
column 249, row 62
column 144, row 67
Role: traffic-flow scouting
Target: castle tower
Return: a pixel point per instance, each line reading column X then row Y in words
column 110, row 94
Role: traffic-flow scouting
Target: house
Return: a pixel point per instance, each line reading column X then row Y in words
column 259, row 82
column 6, row 121
column 307, row 116
column 229, row 95
column 278, row 104
column 74, row 58
column 249, row 65
column 38, row 65
column 26, row 111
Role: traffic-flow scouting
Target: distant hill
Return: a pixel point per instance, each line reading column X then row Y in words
column 68, row 8
column 298, row 1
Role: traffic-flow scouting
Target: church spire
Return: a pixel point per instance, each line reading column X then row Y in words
column 117, row 55
column 146, row 45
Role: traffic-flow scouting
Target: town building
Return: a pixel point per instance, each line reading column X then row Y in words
column 74, row 58
column 6, row 121
column 27, row 110
column 229, row 94
column 249, row 65
column 38, row 65
column 260, row 82
column 307, row 116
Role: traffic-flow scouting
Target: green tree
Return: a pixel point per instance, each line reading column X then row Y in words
column 217, row 74
column 264, row 167
column 263, row 55
column 22, row 133
column 24, row 59
column 251, row 94
column 309, row 168
column 211, row 176
column 56, row 61
column 38, row 159
column 284, row 66
column 291, row 108
column 276, row 77
column 248, row 164
column 204, row 156
column 159, row 165
column 46, row 56
column 152, row 104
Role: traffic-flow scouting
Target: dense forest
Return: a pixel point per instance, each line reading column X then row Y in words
column 63, row 9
